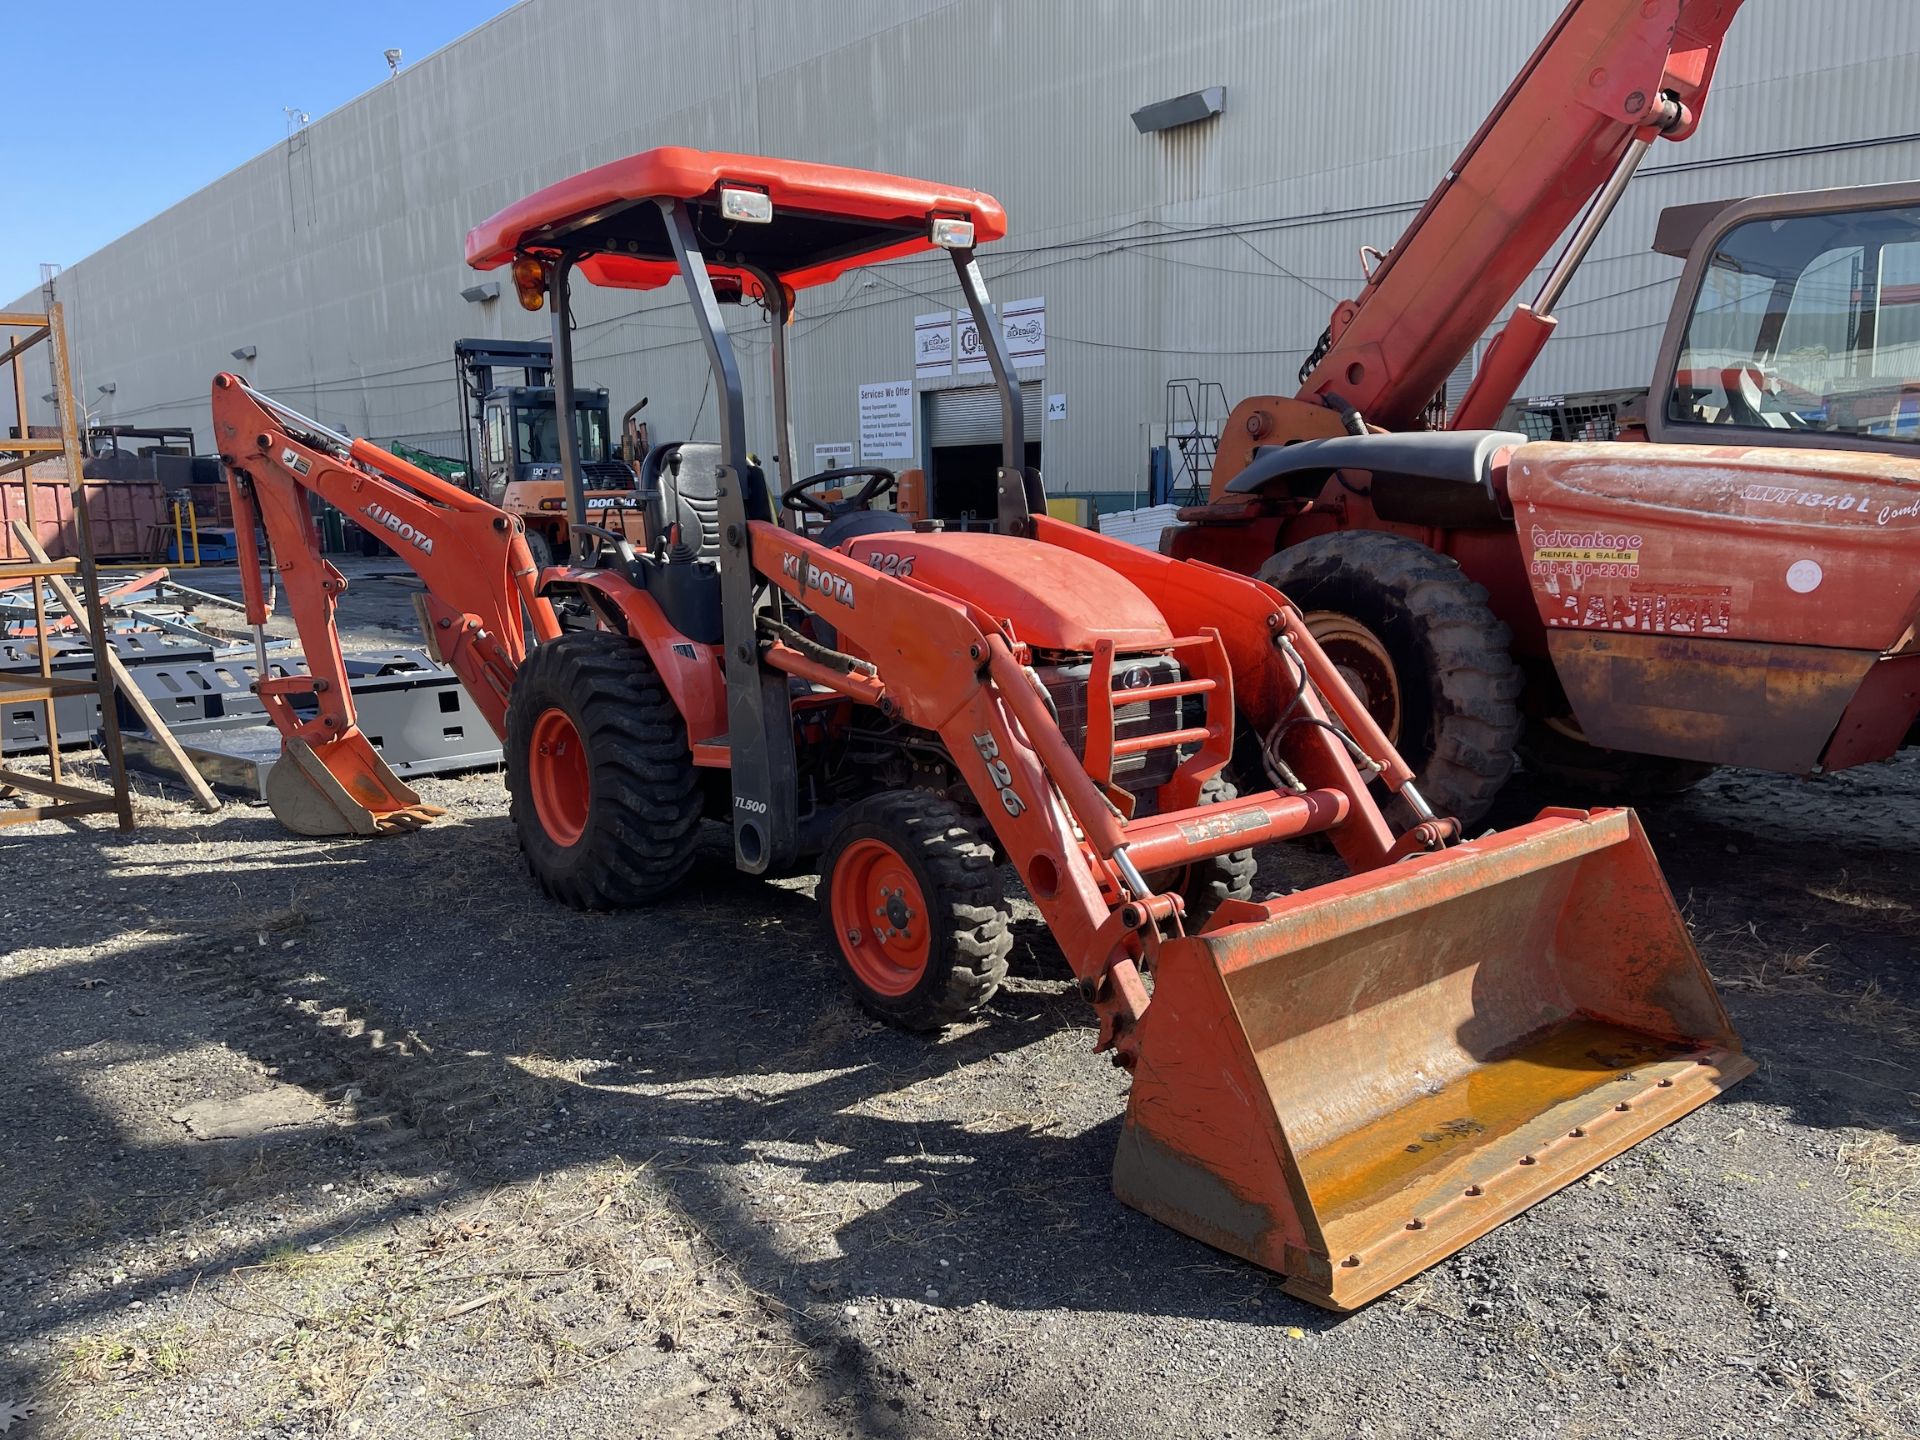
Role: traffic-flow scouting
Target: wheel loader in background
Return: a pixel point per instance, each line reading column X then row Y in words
column 1343, row 1084
column 1742, row 591
column 512, row 435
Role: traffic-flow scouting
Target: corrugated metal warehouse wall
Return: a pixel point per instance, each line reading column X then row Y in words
column 1215, row 251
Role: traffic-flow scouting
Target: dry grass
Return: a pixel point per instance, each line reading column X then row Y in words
column 1746, row 961
column 1884, row 1176
column 130, row 1356
column 55, row 1217
column 527, row 1289
column 1843, row 890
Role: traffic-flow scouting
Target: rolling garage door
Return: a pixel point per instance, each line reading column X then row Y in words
column 972, row 416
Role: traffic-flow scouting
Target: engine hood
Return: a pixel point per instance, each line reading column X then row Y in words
column 1054, row 599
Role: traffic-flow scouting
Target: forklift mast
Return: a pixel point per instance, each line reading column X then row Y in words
column 475, row 364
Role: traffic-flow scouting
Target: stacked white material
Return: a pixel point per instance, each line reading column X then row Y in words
column 1140, row 527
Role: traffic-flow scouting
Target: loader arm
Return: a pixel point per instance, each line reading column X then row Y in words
column 1590, row 94
column 479, row 605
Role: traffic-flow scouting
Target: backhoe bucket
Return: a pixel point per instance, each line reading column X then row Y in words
column 341, row 787
column 1348, row 1084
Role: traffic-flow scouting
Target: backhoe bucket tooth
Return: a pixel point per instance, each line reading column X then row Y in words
column 1348, row 1084
column 342, row 787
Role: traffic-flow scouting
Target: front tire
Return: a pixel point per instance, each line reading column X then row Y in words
column 1422, row 649
column 602, row 788
column 914, row 911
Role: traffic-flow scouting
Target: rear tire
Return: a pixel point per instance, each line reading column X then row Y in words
column 601, row 783
column 939, row 952
column 1206, row 884
column 1585, row 770
column 1424, row 652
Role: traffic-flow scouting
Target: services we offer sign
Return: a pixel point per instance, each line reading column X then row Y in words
column 886, row 420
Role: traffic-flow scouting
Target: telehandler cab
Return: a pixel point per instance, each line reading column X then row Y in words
column 1344, row 1084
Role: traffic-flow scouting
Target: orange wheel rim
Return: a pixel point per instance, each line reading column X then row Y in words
column 880, row 916
column 557, row 775
column 1363, row 662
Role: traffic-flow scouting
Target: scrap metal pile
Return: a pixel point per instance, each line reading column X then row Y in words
column 190, row 655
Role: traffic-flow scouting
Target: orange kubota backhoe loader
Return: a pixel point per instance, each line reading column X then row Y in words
column 1344, row 1084
column 1626, row 616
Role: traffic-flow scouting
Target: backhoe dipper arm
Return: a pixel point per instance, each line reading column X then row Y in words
column 1609, row 78
column 479, row 604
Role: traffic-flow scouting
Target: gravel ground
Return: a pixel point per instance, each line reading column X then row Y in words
column 367, row 1139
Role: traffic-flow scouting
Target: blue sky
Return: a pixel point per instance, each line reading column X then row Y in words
column 141, row 104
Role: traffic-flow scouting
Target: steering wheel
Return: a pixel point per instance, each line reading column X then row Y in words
column 880, row 481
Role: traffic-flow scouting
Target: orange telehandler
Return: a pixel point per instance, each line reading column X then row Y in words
column 1624, row 616
column 1344, row 1084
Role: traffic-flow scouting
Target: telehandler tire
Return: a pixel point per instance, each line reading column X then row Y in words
column 914, row 910
column 1206, row 883
column 1424, row 652
column 603, row 792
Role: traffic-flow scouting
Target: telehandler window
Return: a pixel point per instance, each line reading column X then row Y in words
column 1807, row 323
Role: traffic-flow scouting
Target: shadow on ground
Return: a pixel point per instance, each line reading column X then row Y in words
column 826, row 1156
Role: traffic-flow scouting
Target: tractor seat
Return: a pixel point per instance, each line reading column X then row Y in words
column 678, row 485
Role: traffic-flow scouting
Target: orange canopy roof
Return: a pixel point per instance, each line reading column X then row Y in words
column 827, row 219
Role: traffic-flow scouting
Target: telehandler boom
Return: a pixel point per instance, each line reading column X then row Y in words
column 1343, row 1084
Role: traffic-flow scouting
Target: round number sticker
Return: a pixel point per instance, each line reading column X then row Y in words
column 1804, row 576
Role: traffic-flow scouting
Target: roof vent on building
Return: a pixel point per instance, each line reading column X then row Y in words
column 1181, row 110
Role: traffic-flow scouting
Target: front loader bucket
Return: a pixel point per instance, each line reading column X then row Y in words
column 341, row 787
column 1348, row 1084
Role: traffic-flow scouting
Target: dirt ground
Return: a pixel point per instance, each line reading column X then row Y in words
column 366, row 1139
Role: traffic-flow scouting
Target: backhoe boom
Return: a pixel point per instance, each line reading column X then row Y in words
column 479, row 604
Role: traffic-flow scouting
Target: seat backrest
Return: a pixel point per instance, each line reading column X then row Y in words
column 678, row 485
column 692, row 497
